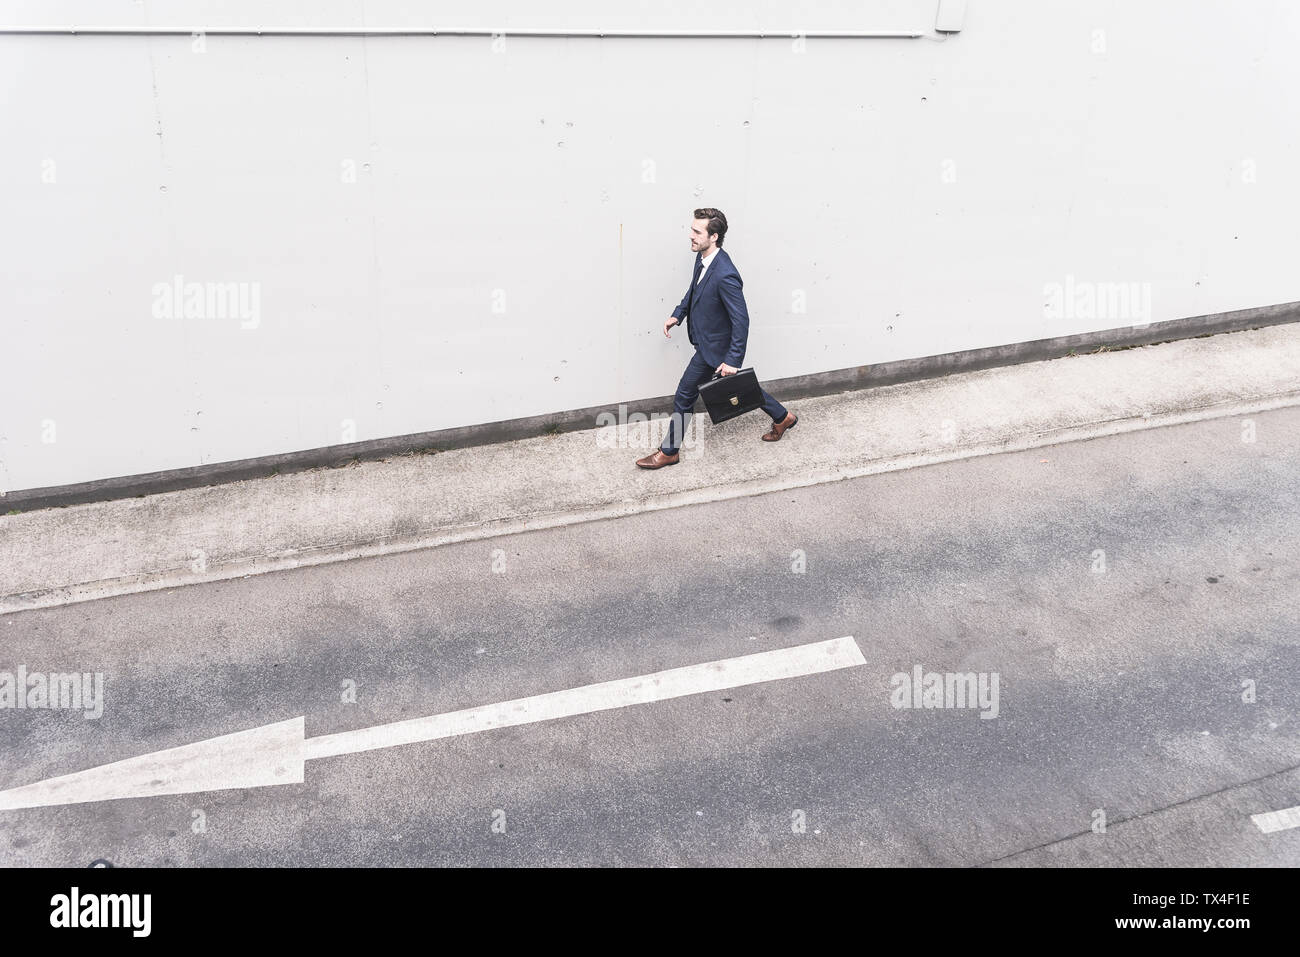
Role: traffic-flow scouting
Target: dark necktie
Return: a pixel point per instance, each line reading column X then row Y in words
column 699, row 267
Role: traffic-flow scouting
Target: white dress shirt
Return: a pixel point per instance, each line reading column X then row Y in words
column 704, row 264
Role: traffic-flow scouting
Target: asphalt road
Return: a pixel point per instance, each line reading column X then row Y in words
column 1124, row 591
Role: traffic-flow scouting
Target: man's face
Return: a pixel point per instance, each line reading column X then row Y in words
column 701, row 241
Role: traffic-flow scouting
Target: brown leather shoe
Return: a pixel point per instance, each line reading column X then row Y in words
column 657, row 460
column 779, row 428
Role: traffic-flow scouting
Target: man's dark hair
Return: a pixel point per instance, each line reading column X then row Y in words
column 717, row 222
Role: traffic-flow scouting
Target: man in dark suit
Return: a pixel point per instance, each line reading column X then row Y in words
column 717, row 324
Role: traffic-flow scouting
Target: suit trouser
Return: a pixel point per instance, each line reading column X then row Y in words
column 697, row 373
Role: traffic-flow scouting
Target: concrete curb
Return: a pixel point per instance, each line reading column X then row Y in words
column 325, row 554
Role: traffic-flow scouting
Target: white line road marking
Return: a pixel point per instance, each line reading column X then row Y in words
column 276, row 753
column 1282, row 820
column 677, row 683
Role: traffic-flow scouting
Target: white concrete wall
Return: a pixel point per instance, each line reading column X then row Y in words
column 519, row 214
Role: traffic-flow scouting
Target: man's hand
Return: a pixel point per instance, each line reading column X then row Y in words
column 668, row 324
column 726, row 369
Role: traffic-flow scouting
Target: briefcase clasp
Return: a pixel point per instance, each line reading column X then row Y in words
column 735, row 400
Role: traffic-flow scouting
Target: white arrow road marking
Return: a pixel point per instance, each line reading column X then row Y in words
column 1282, row 820
column 276, row 753
column 271, row 754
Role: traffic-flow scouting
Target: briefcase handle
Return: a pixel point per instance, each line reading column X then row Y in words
column 719, row 375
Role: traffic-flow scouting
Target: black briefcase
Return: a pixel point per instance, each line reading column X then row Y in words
column 727, row 396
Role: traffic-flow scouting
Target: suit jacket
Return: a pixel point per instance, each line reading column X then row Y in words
column 718, row 323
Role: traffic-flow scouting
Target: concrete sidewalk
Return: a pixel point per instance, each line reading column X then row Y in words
column 81, row 552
